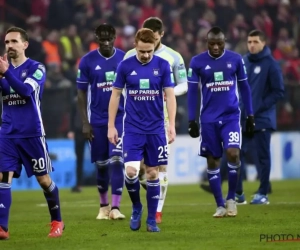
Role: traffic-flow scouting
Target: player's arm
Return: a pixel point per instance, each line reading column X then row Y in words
column 193, row 82
column 276, row 87
column 244, row 87
column 246, row 96
column 36, row 77
column 113, row 106
column 168, row 85
column 181, row 89
column 114, row 103
column 179, row 72
column 82, row 87
column 171, row 105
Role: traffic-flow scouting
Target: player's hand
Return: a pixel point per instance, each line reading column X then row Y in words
column 171, row 134
column 193, row 129
column 112, row 135
column 87, row 131
column 4, row 65
column 250, row 126
column 71, row 135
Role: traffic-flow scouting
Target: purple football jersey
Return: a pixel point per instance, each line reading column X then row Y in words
column 96, row 75
column 218, row 79
column 21, row 116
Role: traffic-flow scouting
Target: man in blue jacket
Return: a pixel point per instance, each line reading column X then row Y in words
column 266, row 83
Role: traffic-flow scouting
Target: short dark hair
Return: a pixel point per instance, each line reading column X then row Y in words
column 258, row 33
column 23, row 33
column 215, row 30
column 153, row 23
column 145, row 35
column 105, row 27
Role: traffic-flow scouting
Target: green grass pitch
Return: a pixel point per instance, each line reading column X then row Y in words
column 187, row 222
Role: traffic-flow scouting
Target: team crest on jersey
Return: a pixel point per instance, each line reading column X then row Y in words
column 24, row 73
column 257, row 70
column 155, row 72
column 229, row 65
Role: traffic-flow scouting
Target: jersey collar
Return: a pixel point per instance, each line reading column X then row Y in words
column 216, row 58
column 107, row 58
column 19, row 64
column 141, row 62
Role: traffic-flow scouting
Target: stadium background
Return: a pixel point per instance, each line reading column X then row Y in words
column 65, row 29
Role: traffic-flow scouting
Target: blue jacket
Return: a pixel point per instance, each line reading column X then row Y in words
column 266, row 84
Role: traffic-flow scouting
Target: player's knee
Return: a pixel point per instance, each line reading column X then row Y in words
column 44, row 181
column 212, row 163
column 102, row 164
column 233, row 155
column 152, row 173
column 162, row 168
column 116, row 158
column 132, row 169
column 6, row 177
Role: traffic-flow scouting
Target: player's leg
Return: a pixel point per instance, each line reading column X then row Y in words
column 262, row 143
column 142, row 175
column 35, row 158
column 79, row 142
column 156, row 154
column 100, row 157
column 133, row 148
column 116, row 168
column 210, row 147
column 163, row 179
column 239, row 195
column 231, row 137
column 9, row 164
column 223, row 173
column 5, row 202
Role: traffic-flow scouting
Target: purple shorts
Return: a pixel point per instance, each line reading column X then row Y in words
column 32, row 153
column 101, row 148
column 216, row 136
column 153, row 148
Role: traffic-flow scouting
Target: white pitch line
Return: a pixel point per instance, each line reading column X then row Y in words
column 93, row 203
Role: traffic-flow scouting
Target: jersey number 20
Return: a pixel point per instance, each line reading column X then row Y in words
column 38, row 165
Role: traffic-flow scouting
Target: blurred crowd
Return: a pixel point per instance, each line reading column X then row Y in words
column 62, row 31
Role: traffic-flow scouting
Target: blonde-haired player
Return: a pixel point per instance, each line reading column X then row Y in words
column 180, row 77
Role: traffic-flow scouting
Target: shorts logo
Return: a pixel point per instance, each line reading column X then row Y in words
column 218, row 76
column 125, row 154
column 144, row 84
column 110, row 76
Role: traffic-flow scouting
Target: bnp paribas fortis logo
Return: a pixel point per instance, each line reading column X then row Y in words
column 144, row 84
column 218, row 76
